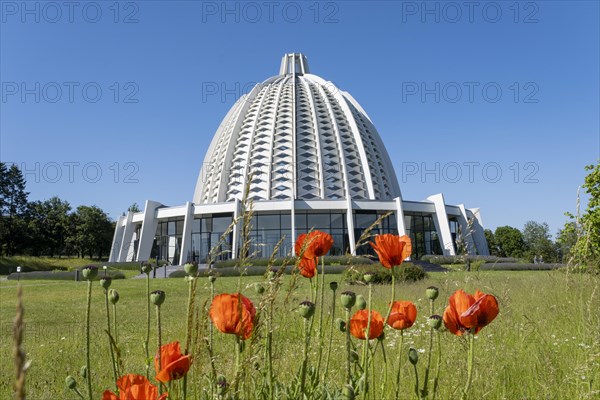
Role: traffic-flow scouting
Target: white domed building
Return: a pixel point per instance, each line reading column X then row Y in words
column 311, row 158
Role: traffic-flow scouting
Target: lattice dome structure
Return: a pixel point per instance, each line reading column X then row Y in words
column 296, row 136
column 310, row 158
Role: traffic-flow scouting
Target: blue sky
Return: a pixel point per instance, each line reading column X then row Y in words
column 111, row 105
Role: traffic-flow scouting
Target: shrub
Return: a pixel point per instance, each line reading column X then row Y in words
column 407, row 272
column 329, row 260
column 438, row 259
column 60, row 275
column 251, row 271
column 519, row 267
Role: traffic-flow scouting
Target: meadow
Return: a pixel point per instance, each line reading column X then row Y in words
column 544, row 344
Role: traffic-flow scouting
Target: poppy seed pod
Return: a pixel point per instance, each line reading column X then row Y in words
column 333, row 286
column 113, row 296
column 307, row 309
column 432, row 292
column 212, row 278
column 191, row 268
column 341, row 324
column 105, row 282
column 361, row 303
column 413, row 356
column 369, row 277
column 157, row 297
column 146, row 268
column 89, row 272
column 435, row 321
column 258, row 288
column 348, row 299
column 70, row 382
column 348, row 393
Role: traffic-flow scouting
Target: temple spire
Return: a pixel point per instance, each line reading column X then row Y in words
column 294, row 63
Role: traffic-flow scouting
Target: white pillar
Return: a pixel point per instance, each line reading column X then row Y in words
column 236, row 229
column 463, row 221
column 350, row 225
column 442, row 225
column 478, row 235
column 127, row 235
column 117, row 240
column 400, row 216
column 186, row 240
column 148, row 230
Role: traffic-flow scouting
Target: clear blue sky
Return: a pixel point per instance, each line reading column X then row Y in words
column 158, row 65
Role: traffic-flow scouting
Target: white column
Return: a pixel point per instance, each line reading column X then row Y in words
column 186, row 240
column 478, row 235
column 350, row 225
column 127, row 235
column 117, row 239
column 463, row 221
column 148, row 230
column 442, row 225
column 236, row 229
column 400, row 216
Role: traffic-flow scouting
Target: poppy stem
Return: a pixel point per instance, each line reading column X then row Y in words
column 188, row 330
column 87, row 339
column 330, row 337
column 365, row 351
column 159, row 337
column 147, row 342
column 426, row 377
column 305, row 359
column 384, row 383
column 115, row 331
column 438, row 366
column 321, row 309
column 398, row 374
column 238, row 361
column 269, row 348
column 348, row 350
column 416, row 381
column 469, row 365
column 112, row 353
column 393, row 296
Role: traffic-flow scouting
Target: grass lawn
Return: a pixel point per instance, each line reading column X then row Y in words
column 545, row 343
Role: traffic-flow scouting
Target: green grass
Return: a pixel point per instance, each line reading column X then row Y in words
column 545, row 343
column 9, row 264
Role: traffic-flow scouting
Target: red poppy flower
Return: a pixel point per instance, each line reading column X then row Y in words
column 403, row 315
column 134, row 387
column 392, row 249
column 315, row 244
column 360, row 320
column 174, row 364
column 229, row 316
column 469, row 313
column 308, row 267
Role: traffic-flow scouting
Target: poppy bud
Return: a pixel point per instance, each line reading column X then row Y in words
column 191, row 268
column 157, row 297
column 258, row 288
column 353, row 356
column 333, row 286
column 369, row 277
column 413, row 356
column 348, row 392
column 348, row 299
column 432, row 292
column 221, row 384
column 83, row 372
column 89, row 272
column 307, row 309
column 146, row 268
column 361, row 303
column 435, row 321
column 105, row 282
column 70, row 382
column 113, row 296
column 341, row 324
column 212, row 278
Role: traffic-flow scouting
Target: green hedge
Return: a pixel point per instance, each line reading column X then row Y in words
column 252, row 271
column 59, row 275
column 407, row 272
column 437, row 259
column 329, row 260
column 519, row 267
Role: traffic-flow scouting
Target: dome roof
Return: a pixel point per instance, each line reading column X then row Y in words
column 296, row 136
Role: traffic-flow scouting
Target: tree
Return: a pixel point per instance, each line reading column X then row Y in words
column 93, row 231
column 134, row 208
column 13, row 200
column 586, row 249
column 537, row 240
column 509, row 242
column 491, row 242
column 48, row 226
column 566, row 238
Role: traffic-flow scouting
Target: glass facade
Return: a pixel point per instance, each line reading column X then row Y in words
column 364, row 219
column 167, row 240
column 267, row 230
column 206, row 233
column 332, row 222
column 421, row 229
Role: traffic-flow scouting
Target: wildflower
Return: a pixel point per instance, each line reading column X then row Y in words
column 403, row 315
column 307, row 267
column 392, row 249
column 313, row 244
column 229, row 316
column 134, row 387
column 467, row 312
column 359, row 322
column 174, row 364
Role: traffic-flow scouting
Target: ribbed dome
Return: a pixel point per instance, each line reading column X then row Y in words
column 297, row 136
